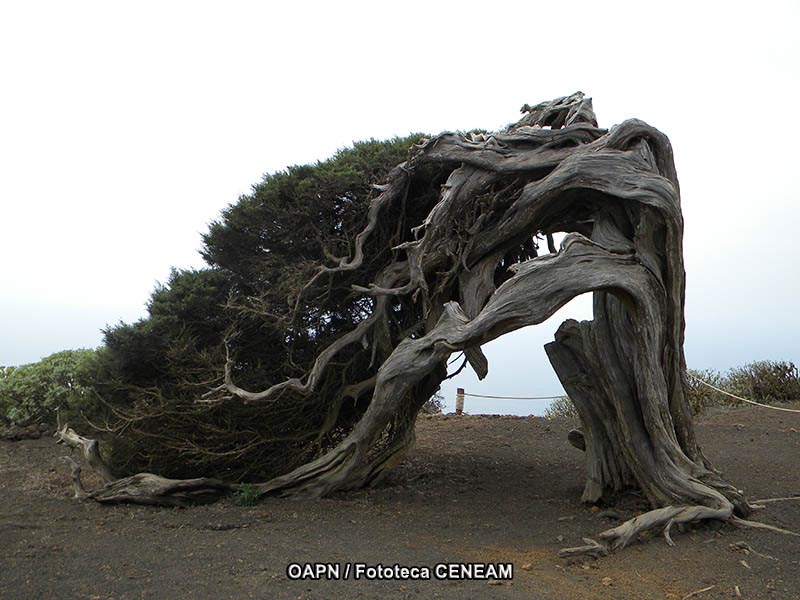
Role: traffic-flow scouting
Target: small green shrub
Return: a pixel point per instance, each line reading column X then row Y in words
column 247, row 495
column 561, row 408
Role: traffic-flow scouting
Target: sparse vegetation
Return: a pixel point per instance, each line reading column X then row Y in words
column 702, row 397
column 764, row 381
column 561, row 408
column 247, row 495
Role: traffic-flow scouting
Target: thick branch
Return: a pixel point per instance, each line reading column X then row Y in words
column 89, row 448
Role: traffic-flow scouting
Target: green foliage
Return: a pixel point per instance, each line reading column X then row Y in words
column 561, row 408
column 261, row 252
column 298, row 216
column 63, row 381
column 273, row 241
column 186, row 318
column 155, row 371
column 247, row 495
column 763, row 381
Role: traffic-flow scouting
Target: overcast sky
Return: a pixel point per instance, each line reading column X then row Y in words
column 126, row 127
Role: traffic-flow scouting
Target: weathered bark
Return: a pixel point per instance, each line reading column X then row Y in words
column 625, row 369
column 474, row 268
column 146, row 488
column 142, row 488
column 89, row 448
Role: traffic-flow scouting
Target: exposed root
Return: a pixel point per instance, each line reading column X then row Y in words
column 142, row 488
column 90, row 449
column 745, row 523
column 146, row 488
column 667, row 527
column 592, row 548
column 768, row 500
column 748, row 549
column 698, row 592
column 618, row 537
column 77, row 484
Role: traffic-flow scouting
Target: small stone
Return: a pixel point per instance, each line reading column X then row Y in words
column 526, row 567
column 606, row 581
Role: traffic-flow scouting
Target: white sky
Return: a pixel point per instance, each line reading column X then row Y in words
column 126, row 127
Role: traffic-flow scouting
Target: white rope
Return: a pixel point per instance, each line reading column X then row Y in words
column 689, row 374
column 516, row 397
column 713, row 387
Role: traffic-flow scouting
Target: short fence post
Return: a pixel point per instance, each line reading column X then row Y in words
column 460, row 401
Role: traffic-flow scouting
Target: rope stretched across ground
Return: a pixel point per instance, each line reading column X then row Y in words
column 713, row 387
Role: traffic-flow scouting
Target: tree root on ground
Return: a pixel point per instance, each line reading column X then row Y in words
column 618, row 537
column 142, row 488
column 336, row 470
column 146, row 488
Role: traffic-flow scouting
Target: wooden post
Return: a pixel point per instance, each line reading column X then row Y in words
column 460, row 401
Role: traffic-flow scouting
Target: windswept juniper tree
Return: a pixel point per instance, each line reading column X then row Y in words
column 455, row 249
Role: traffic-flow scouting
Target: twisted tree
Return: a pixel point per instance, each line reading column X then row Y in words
column 450, row 255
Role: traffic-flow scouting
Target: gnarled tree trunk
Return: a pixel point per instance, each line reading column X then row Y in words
column 616, row 194
column 474, row 267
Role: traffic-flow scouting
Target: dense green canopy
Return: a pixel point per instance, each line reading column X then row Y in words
column 261, row 252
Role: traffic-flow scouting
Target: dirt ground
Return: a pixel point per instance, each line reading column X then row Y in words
column 476, row 489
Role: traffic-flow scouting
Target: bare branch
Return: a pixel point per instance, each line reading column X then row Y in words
column 90, row 449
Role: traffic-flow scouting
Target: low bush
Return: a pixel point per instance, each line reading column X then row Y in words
column 762, row 381
column 561, row 408
column 702, row 397
column 32, row 393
